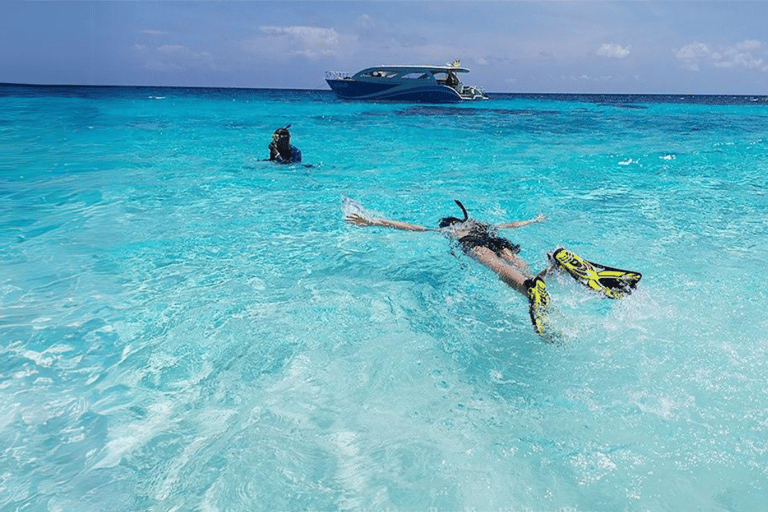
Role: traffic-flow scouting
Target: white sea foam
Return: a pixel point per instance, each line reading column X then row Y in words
column 351, row 207
column 126, row 438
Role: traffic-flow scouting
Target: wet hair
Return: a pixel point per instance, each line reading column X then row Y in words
column 450, row 221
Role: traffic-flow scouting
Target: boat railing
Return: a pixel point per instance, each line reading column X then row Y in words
column 338, row 75
column 472, row 92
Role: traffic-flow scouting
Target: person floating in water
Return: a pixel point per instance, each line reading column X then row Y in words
column 281, row 150
column 480, row 241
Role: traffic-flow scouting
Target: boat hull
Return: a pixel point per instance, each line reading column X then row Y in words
column 371, row 91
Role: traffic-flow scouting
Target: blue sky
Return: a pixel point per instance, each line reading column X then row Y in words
column 591, row 47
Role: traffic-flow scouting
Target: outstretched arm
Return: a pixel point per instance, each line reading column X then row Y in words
column 519, row 224
column 358, row 220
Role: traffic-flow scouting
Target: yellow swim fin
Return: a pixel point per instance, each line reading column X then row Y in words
column 614, row 283
column 538, row 298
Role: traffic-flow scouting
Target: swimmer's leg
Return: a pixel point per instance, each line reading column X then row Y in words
column 510, row 274
column 513, row 259
column 533, row 288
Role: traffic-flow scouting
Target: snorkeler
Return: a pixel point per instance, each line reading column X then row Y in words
column 480, row 241
column 281, row 150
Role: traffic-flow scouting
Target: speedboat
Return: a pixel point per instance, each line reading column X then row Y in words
column 423, row 84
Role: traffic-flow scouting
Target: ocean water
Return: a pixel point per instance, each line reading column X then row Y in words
column 186, row 327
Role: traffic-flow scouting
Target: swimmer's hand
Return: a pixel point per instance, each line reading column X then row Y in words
column 273, row 152
column 359, row 220
column 539, row 218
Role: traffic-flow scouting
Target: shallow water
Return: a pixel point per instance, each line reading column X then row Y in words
column 184, row 326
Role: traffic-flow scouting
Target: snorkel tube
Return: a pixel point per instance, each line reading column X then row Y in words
column 450, row 221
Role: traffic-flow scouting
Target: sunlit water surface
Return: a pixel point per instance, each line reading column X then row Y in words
column 184, row 326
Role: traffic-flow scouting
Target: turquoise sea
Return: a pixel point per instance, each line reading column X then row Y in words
column 186, row 327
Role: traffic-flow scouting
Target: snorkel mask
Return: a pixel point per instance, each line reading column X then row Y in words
column 450, row 221
column 281, row 133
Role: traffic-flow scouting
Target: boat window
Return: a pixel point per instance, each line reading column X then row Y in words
column 379, row 73
column 417, row 75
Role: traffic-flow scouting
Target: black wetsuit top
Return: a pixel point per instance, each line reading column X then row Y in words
column 281, row 159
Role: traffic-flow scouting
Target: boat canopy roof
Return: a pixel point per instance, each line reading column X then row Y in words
column 413, row 68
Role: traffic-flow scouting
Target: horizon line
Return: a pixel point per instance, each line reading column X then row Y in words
column 20, row 84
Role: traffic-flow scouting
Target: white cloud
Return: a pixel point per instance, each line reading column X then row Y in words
column 690, row 55
column 750, row 45
column 742, row 55
column 369, row 41
column 366, row 23
column 748, row 54
column 310, row 42
column 613, row 51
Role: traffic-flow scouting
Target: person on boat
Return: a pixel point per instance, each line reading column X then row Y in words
column 481, row 241
column 281, row 150
column 452, row 80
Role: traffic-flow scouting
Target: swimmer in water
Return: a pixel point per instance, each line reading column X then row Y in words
column 280, row 149
column 480, row 241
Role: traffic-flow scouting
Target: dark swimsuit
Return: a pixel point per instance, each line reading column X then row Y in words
column 487, row 240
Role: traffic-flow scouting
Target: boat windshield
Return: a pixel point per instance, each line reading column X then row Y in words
column 380, row 73
column 448, row 78
column 417, row 75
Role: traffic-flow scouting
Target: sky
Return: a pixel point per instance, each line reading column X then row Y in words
column 645, row 47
